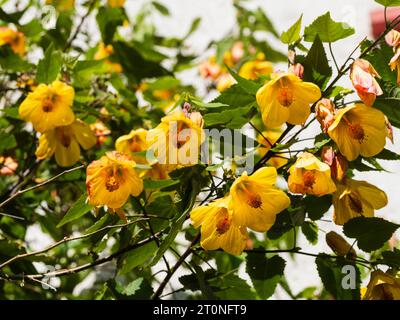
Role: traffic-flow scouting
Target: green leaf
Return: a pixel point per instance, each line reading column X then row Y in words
column 231, row 287
column 392, row 258
column 7, row 141
column 132, row 287
column 389, row 3
column 77, row 210
column 135, row 65
column 310, row 230
column 371, row 233
column 389, row 103
column 11, row 61
column 317, row 206
column 386, row 154
column 159, row 184
column 316, row 66
column 161, row 8
column 332, row 275
column 108, row 20
column 137, row 257
column 286, row 221
column 265, row 273
column 50, row 66
column 248, row 86
column 233, row 119
column 293, row 33
column 327, row 29
column 234, row 97
column 84, row 70
column 193, row 27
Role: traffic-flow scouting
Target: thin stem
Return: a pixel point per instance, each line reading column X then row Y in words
column 333, row 56
column 18, row 193
column 260, row 133
column 177, row 265
column 67, row 239
column 86, row 266
column 79, row 27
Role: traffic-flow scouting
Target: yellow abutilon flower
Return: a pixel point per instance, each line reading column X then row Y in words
column 382, row 286
column 134, row 142
column 358, row 130
column 112, row 179
column 256, row 201
column 15, row 39
column 116, row 3
column 48, row 106
column 64, row 143
column 218, row 229
column 225, row 81
column 255, row 68
column 176, row 141
column 310, row 176
column 286, row 98
column 355, row 199
column 103, row 52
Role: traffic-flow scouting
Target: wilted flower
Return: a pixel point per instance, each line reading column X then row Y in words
column 382, row 286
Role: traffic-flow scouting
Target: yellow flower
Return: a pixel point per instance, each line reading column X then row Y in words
column 255, row 68
column 218, row 229
column 310, row 176
column 356, row 198
column 62, row 5
column 103, row 52
column 48, row 106
column 382, row 286
column 339, row 245
column 134, row 142
column 15, row 39
column 111, row 180
column 64, row 143
column 358, row 130
column 286, row 98
column 393, row 40
column 116, row 3
column 176, row 141
column 272, row 135
column 256, row 201
column 225, row 81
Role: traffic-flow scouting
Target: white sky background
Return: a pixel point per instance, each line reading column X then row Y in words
column 218, row 17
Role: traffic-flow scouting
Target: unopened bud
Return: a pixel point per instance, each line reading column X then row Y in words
column 339, row 245
column 325, row 113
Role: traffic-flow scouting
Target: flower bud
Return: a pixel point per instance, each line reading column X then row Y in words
column 339, row 245
column 325, row 113
column 297, row 69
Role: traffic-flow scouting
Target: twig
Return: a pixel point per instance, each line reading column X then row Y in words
column 86, row 266
column 78, row 29
column 181, row 260
column 18, row 193
column 333, row 56
column 67, row 239
column 11, row 216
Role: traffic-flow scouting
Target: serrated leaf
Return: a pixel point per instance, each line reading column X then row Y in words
column 389, row 3
column 249, row 86
column 50, row 66
column 310, row 230
column 327, row 29
column 77, row 210
column 316, row 66
column 137, row 257
column 317, row 206
column 235, row 97
column 386, row 154
column 233, row 119
column 11, row 61
column 371, row 233
column 293, row 33
column 159, row 184
column 392, row 258
column 332, row 275
column 264, row 273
